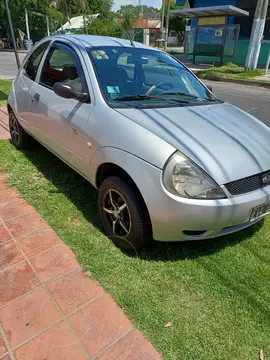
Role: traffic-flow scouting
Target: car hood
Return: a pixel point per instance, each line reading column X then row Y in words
column 228, row 143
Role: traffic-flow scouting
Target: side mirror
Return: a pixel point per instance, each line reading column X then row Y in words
column 209, row 87
column 66, row 91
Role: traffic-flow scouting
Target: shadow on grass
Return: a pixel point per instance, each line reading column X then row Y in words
column 84, row 197
column 3, row 96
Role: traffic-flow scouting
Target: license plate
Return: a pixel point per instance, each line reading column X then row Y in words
column 260, row 211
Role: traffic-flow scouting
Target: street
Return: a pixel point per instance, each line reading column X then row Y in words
column 8, row 66
column 254, row 100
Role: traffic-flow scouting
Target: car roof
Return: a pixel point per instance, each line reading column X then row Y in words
column 95, row 40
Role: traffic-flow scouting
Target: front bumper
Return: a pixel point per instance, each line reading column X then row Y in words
column 177, row 219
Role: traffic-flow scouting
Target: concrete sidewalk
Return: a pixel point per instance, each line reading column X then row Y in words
column 50, row 309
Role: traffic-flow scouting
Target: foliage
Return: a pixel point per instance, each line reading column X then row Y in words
column 129, row 15
column 58, row 12
column 78, row 7
column 147, row 12
column 229, row 71
column 105, row 27
column 177, row 23
column 37, row 25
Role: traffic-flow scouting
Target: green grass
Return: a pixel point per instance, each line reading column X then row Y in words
column 229, row 71
column 216, row 292
column 5, row 86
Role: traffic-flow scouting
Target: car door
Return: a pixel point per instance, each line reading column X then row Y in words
column 59, row 122
column 24, row 81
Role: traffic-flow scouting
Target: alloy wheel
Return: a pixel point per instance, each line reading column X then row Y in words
column 117, row 212
column 14, row 130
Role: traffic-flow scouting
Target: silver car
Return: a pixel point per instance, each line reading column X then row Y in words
column 170, row 160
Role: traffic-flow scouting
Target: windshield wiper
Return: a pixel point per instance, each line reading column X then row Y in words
column 135, row 97
column 177, row 93
column 189, row 95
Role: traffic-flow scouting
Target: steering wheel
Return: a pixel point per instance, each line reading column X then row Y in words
column 164, row 85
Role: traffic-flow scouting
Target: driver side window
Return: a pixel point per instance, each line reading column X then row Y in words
column 63, row 65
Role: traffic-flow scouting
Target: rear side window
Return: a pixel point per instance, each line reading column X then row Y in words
column 32, row 64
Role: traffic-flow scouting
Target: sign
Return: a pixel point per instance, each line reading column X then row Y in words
column 219, row 32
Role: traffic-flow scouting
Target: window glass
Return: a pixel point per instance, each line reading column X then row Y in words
column 129, row 72
column 63, row 65
column 32, row 64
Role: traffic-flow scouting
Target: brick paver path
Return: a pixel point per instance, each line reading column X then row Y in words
column 4, row 130
column 49, row 309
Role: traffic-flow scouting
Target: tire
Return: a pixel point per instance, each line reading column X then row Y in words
column 139, row 227
column 19, row 138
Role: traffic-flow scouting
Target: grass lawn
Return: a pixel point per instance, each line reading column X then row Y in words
column 5, row 86
column 216, row 293
column 229, row 71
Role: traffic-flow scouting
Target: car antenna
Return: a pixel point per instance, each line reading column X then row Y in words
column 130, row 39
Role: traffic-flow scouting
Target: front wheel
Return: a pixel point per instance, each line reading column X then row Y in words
column 124, row 217
column 20, row 139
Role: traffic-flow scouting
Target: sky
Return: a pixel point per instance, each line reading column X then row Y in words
column 118, row 3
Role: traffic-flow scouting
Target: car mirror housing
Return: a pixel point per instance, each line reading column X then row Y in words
column 66, row 91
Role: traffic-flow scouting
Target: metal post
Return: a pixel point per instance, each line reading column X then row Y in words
column 258, row 45
column 167, row 27
column 267, row 64
column 27, row 24
column 162, row 18
column 254, row 38
column 48, row 25
column 12, row 34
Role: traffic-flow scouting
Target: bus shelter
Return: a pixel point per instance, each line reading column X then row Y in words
column 211, row 34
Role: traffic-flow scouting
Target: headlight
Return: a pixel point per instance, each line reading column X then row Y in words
column 184, row 178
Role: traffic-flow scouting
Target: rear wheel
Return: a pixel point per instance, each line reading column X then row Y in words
column 123, row 215
column 20, row 139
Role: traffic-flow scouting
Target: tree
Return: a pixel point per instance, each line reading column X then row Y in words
column 37, row 25
column 105, row 27
column 147, row 12
column 128, row 15
column 177, row 23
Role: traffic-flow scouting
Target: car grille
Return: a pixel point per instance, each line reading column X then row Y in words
column 249, row 184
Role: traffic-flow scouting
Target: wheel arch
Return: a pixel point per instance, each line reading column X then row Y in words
column 108, row 169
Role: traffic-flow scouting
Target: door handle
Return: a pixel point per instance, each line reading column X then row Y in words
column 36, row 96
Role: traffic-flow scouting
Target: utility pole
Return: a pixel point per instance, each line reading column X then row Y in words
column 48, row 25
column 12, row 34
column 256, row 34
column 27, row 24
column 256, row 54
column 162, row 17
column 167, row 26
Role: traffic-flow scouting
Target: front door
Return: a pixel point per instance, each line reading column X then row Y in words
column 60, row 123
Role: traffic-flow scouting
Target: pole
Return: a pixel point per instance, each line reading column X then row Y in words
column 167, row 27
column 12, row 34
column 27, row 24
column 267, row 64
column 254, row 34
column 162, row 18
column 48, row 25
column 258, row 45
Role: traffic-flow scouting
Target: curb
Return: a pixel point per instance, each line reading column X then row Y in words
column 241, row 82
column 11, row 50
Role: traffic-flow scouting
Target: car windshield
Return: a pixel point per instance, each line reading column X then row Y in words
column 130, row 76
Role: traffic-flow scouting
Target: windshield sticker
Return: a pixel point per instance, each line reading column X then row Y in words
column 114, row 91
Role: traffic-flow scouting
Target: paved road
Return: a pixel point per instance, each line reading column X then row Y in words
column 254, row 100
column 8, row 66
